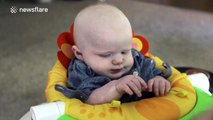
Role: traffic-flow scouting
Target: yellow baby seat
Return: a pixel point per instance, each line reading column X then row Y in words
column 179, row 101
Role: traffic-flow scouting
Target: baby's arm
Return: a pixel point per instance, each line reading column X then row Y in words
column 115, row 89
column 104, row 94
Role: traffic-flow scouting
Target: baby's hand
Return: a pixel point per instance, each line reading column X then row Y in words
column 159, row 85
column 130, row 84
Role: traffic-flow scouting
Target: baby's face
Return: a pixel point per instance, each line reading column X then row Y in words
column 103, row 35
column 110, row 57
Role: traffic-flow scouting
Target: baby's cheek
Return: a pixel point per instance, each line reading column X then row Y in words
column 100, row 68
column 130, row 61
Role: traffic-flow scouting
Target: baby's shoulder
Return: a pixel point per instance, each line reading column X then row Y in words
column 136, row 54
column 77, row 64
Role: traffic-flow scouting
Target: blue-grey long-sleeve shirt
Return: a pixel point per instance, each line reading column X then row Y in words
column 82, row 78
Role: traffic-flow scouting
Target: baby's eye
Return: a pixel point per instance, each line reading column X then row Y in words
column 105, row 55
column 125, row 52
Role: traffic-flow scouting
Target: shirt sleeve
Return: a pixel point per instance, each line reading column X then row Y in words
column 83, row 78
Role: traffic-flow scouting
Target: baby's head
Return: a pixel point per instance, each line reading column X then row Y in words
column 103, row 37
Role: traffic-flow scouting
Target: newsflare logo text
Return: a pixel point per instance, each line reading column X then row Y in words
column 36, row 9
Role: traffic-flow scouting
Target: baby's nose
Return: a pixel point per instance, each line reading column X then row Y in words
column 118, row 60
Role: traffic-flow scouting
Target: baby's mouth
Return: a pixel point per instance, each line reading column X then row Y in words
column 114, row 71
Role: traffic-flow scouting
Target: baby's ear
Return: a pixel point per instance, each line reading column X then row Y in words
column 77, row 52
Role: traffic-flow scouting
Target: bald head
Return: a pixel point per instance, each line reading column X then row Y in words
column 100, row 22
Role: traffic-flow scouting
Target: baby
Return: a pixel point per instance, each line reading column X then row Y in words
column 105, row 66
